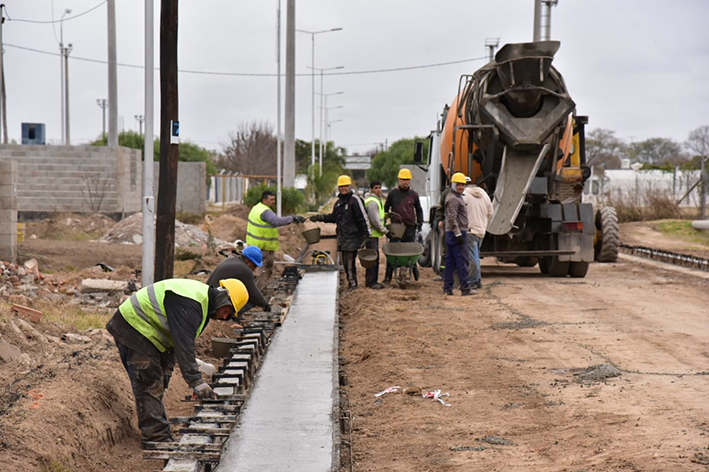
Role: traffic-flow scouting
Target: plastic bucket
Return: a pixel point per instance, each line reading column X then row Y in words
column 221, row 346
column 367, row 257
column 396, row 230
column 312, row 236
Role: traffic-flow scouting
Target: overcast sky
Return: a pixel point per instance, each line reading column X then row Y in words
column 639, row 67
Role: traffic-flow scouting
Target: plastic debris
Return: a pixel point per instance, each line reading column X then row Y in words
column 393, row 389
column 437, row 396
column 205, row 367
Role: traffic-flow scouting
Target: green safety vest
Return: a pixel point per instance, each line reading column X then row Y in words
column 380, row 204
column 145, row 309
column 260, row 233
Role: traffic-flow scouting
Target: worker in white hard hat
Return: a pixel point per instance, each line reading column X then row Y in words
column 352, row 226
column 405, row 206
column 159, row 325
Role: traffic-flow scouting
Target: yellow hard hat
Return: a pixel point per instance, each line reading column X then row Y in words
column 344, row 180
column 237, row 292
column 458, row 178
column 405, row 174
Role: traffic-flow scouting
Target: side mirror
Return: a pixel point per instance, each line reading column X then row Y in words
column 418, row 152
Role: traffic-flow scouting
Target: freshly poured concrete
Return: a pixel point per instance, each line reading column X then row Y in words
column 289, row 422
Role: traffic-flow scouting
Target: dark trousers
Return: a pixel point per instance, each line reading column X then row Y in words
column 349, row 260
column 408, row 237
column 372, row 274
column 456, row 261
column 149, row 376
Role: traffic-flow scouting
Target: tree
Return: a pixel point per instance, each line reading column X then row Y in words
column 385, row 165
column 657, row 151
column 604, row 149
column 252, row 150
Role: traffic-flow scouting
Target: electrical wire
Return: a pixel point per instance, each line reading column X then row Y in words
column 257, row 74
column 55, row 21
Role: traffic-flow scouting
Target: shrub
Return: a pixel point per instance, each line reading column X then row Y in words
column 293, row 199
column 648, row 206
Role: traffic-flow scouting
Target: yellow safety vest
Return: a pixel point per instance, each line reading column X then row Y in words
column 145, row 309
column 380, row 204
column 260, row 233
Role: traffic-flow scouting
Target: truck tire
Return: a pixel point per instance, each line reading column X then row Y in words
column 556, row 267
column 425, row 257
column 527, row 261
column 437, row 242
column 544, row 265
column 607, row 240
column 578, row 269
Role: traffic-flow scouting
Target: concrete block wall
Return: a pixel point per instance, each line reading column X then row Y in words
column 8, row 211
column 94, row 179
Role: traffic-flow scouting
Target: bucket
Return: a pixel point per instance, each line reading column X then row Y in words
column 312, row 236
column 396, row 230
column 20, row 232
column 221, row 346
column 367, row 257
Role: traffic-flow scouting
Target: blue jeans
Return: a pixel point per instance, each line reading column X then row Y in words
column 456, row 261
column 474, row 243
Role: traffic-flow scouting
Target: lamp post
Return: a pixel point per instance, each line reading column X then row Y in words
column 330, row 123
column 140, row 119
column 103, row 103
column 61, row 68
column 323, row 122
column 312, row 38
column 327, row 117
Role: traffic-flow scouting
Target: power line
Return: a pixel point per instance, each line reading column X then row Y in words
column 257, row 74
column 55, row 21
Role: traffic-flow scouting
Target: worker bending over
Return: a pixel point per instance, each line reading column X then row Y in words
column 242, row 268
column 159, row 324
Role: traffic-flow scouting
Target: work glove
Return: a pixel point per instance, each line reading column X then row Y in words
column 298, row 219
column 315, row 218
column 203, row 390
column 267, row 308
column 460, row 240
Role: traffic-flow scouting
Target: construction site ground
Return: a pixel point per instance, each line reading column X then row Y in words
column 519, row 361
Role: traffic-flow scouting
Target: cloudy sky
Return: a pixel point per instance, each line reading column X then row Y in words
column 639, row 67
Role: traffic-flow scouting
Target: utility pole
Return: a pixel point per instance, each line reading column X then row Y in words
column 140, row 119
column 289, row 148
column 67, row 135
column 492, row 44
column 103, row 104
column 112, row 76
column 169, row 150
column 3, row 95
column 279, row 169
column 61, row 72
column 148, row 261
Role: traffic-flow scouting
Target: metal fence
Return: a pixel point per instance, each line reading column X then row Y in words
column 231, row 187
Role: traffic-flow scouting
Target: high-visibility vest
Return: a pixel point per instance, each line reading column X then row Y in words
column 260, row 233
column 380, row 205
column 145, row 309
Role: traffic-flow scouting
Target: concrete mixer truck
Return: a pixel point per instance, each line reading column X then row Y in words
column 514, row 130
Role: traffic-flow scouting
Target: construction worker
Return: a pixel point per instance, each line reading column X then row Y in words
column 479, row 209
column 456, row 226
column 242, row 268
column 262, row 230
column 159, row 324
column 375, row 212
column 404, row 202
column 352, row 226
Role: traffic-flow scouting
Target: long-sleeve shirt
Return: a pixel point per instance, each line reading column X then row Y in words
column 373, row 214
column 456, row 214
column 406, row 204
column 271, row 218
column 236, row 268
column 479, row 210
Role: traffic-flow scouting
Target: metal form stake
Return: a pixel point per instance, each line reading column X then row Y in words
column 148, row 193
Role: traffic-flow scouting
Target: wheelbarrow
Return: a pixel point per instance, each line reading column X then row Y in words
column 403, row 257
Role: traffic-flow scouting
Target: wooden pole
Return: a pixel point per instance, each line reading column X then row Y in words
column 169, row 153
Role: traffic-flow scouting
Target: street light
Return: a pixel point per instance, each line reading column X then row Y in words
column 322, row 122
column 312, row 37
column 103, row 104
column 140, row 119
column 61, row 69
column 327, row 117
column 328, row 126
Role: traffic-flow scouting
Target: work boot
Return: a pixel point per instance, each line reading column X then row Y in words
column 467, row 293
column 478, row 284
column 448, row 292
column 376, row 286
column 438, row 278
column 353, row 286
column 385, row 283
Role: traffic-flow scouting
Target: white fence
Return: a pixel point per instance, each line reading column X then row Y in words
column 230, row 187
column 635, row 186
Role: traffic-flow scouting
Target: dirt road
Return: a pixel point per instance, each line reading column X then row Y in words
column 513, row 359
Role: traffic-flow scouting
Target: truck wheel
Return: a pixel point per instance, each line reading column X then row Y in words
column 437, row 243
column 526, row 261
column 425, row 258
column 578, row 269
column 556, row 267
column 544, row 265
column 607, row 239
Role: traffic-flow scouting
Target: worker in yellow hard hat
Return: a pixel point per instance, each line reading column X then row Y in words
column 456, row 226
column 157, row 326
column 404, row 205
column 352, row 226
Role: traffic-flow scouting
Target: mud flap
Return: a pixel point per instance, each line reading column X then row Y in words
column 579, row 242
column 516, row 174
